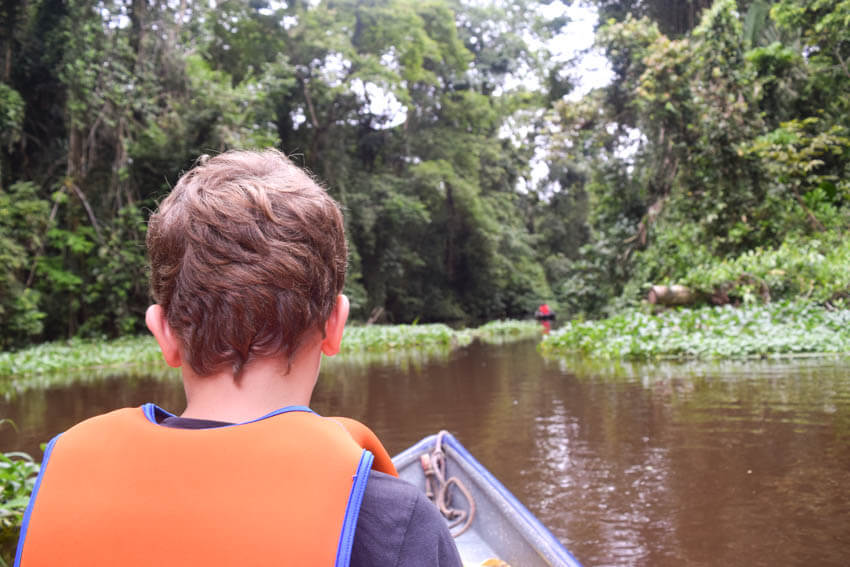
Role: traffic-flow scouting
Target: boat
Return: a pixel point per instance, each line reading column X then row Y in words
column 491, row 527
column 544, row 313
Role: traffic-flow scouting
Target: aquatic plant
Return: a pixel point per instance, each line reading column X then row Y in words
column 391, row 337
column 402, row 360
column 508, row 330
column 781, row 329
column 18, row 472
column 75, row 361
column 78, row 360
column 79, row 353
column 377, row 338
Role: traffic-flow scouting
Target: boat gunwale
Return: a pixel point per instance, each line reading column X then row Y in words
column 555, row 550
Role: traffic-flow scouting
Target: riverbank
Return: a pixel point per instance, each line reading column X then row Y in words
column 784, row 329
column 78, row 354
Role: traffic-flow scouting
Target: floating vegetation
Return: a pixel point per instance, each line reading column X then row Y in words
column 750, row 331
column 382, row 338
column 77, row 360
column 411, row 346
column 507, row 331
column 78, row 354
column 403, row 360
column 377, row 338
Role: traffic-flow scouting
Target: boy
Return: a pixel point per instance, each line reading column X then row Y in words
column 248, row 260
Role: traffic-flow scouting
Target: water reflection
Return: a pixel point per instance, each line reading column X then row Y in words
column 738, row 463
column 39, row 414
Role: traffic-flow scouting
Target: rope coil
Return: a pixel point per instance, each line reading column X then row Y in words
column 437, row 488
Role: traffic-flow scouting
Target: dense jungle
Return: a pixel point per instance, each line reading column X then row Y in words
column 717, row 157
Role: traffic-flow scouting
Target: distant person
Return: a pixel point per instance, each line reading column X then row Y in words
column 248, row 259
column 543, row 313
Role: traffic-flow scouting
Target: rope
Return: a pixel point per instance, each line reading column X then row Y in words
column 437, row 488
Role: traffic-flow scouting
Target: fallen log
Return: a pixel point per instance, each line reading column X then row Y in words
column 671, row 295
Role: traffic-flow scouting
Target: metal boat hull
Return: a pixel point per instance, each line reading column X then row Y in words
column 502, row 528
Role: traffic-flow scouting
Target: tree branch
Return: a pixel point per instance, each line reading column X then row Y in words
column 309, row 100
column 816, row 224
column 841, row 62
column 31, row 275
column 89, row 210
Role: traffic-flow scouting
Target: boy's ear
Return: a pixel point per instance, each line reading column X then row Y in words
column 335, row 326
column 168, row 343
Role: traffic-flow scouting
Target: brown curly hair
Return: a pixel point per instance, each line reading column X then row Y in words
column 247, row 254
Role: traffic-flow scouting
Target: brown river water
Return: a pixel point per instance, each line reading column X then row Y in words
column 725, row 464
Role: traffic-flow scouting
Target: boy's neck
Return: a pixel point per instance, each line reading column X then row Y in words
column 263, row 387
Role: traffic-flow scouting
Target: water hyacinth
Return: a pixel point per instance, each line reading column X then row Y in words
column 783, row 329
column 506, row 331
column 75, row 360
column 78, row 353
column 392, row 337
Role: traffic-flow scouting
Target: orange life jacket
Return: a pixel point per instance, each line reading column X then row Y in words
column 121, row 490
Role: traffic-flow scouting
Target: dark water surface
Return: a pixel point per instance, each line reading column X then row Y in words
column 738, row 464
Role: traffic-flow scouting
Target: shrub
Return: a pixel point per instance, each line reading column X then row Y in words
column 18, row 472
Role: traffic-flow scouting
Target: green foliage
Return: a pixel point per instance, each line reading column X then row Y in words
column 23, row 219
column 814, row 269
column 506, row 331
column 673, row 253
column 709, row 149
column 121, row 102
column 626, row 43
column 590, row 281
column 807, row 160
column 18, row 472
column 391, row 337
column 11, row 115
column 710, row 332
column 115, row 293
column 233, row 116
column 674, row 18
column 780, row 78
column 823, row 27
column 722, row 132
column 710, row 181
column 79, row 353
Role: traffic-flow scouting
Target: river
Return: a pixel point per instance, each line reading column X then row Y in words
column 723, row 464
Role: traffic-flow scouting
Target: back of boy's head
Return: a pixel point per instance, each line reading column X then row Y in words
column 248, row 254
